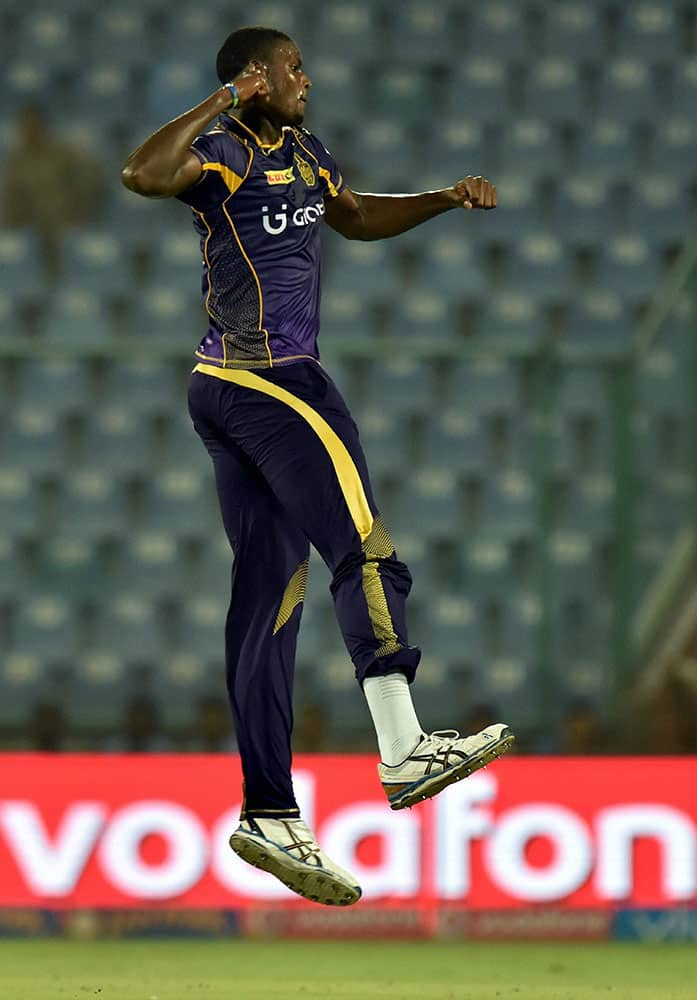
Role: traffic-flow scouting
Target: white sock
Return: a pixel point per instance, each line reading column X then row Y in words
column 392, row 710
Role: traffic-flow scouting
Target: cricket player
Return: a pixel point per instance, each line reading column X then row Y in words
column 289, row 466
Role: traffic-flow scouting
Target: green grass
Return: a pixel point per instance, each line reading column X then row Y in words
column 244, row 970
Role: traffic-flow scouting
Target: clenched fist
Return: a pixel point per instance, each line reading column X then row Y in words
column 474, row 192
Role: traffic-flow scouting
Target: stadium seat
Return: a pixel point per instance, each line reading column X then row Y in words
column 348, row 30
column 372, row 163
column 23, row 679
column 401, row 385
column 366, row 268
column 96, row 261
column 451, row 266
column 48, row 36
column 573, row 30
column 99, row 689
column 145, row 385
column 71, row 564
column 539, row 268
column 117, row 436
column 128, row 624
column 497, row 29
column 19, row 502
column 509, row 505
column 384, row 440
column 518, row 197
column 420, row 34
column 421, row 313
column 431, row 499
column 345, row 315
column 33, row 437
column 405, row 86
column 45, row 623
column 630, row 266
column 176, row 86
column 531, row 146
column 334, row 99
column 605, row 147
column 21, row 270
column 656, row 207
column 202, row 626
column 454, row 440
column 512, row 321
column 600, row 322
column 169, row 310
column 554, row 90
column 178, row 501
column 649, row 31
column 585, row 212
column 487, row 385
column 481, row 83
column 62, row 385
column 674, row 141
column 93, row 502
column 625, row 91
column 77, row 315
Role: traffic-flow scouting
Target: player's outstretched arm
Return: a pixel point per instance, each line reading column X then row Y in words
column 377, row 216
column 164, row 165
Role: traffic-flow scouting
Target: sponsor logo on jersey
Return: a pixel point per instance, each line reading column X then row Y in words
column 306, row 171
column 279, row 222
column 280, row 176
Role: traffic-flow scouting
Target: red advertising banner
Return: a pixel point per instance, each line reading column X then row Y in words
column 151, row 831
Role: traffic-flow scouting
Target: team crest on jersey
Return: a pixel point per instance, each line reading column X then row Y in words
column 306, row 171
column 280, row 176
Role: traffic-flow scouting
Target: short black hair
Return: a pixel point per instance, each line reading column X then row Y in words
column 244, row 46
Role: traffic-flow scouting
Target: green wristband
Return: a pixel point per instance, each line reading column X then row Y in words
column 235, row 96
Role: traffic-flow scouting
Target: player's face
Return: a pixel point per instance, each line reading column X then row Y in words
column 288, row 84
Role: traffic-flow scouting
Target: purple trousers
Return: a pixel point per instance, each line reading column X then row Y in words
column 290, row 471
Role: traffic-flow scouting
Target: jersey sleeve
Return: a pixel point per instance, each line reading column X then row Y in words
column 224, row 161
column 330, row 175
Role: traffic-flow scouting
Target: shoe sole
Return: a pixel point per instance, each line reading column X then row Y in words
column 316, row 884
column 426, row 788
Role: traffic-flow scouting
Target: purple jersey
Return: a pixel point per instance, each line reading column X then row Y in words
column 258, row 209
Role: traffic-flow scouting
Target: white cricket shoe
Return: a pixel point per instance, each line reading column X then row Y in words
column 287, row 848
column 440, row 759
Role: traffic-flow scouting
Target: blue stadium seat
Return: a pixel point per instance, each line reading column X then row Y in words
column 405, row 86
column 673, row 146
column 585, row 212
column 203, row 625
column 573, row 30
column 454, row 440
column 184, row 444
column 554, row 90
column 487, row 568
column 104, row 94
column 23, row 680
column 571, row 568
column 177, row 259
column 539, row 267
column 367, row 268
column 77, row 315
column 20, row 513
column 600, row 321
column 345, row 315
column 487, row 385
column 625, row 91
column 45, row 623
column 93, row 502
column 25, row 80
column 512, row 321
column 656, row 208
column 146, row 386
column 167, row 310
column 649, row 31
column 481, row 83
column 380, row 156
column 99, row 689
column 630, row 266
column 401, row 385
column 450, row 265
column 33, row 437
column 497, row 29
column 283, row 16
column 197, row 31
column 430, row 499
column 605, row 148
column 178, row 682
column 212, row 571
column 21, row 270
column 64, row 386
column 531, row 146
column 520, row 210
column 510, row 505
column 120, row 31
column 71, row 564
column 116, row 436
column 150, row 565
column 452, row 628
column 176, row 86
column 586, row 505
column 425, row 314
column 95, row 261
column 48, row 36
column 459, row 148
column 178, row 501
column 14, row 578
column 348, row 30
column 384, row 439
column 684, row 89
column 420, row 34
column 334, row 98
column 127, row 624
column 12, row 315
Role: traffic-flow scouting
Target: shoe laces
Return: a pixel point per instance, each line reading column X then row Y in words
column 445, row 735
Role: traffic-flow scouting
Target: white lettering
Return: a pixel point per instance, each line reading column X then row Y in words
column 397, row 874
column 51, row 868
column 573, row 852
column 617, row 829
column 300, row 217
column 187, row 854
column 457, row 825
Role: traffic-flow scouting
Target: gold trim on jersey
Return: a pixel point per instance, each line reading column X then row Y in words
column 270, row 146
column 347, row 474
column 231, row 179
column 293, row 595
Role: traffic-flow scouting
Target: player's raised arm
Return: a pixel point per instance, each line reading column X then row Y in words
column 164, row 165
column 377, row 216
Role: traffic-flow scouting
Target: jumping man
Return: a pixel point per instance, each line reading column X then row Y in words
column 288, row 463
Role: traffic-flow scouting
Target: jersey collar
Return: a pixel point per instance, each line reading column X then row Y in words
column 234, row 125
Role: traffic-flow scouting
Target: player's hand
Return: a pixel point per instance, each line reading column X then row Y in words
column 475, row 192
column 252, row 81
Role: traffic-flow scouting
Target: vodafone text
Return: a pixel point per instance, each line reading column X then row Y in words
column 468, row 841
